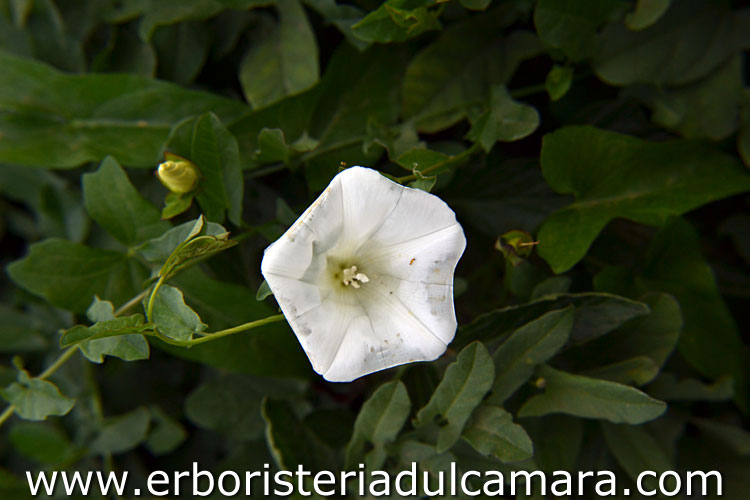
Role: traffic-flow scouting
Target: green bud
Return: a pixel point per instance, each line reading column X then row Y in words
column 515, row 245
column 178, row 175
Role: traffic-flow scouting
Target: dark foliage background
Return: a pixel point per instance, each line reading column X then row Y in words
column 615, row 133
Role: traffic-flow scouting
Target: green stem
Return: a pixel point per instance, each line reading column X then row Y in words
column 6, row 414
column 220, row 334
column 150, row 308
column 131, row 303
column 67, row 354
column 450, row 162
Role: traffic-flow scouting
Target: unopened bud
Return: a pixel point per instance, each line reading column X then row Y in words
column 178, row 175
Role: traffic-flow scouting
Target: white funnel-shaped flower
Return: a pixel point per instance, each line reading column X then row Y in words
column 365, row 275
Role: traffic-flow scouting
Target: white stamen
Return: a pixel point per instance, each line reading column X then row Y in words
column 351, row 277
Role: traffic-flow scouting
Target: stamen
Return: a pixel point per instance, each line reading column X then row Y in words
column 351, row 277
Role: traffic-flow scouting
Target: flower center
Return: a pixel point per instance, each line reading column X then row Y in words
column 353, row 278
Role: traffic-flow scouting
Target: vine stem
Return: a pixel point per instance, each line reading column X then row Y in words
column 68, row 353
column 6, row 414
column 452, row 161
column 131, row 303
column 152, row 297
column 217, row 335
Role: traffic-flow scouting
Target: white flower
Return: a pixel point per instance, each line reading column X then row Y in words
column 365, row 275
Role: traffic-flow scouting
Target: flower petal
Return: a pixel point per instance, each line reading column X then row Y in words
column 386, row 335
column 293, row 255
column 368, row 201
column 416, row 214
column 321, row 331
column 430, row 258
column 430, row 303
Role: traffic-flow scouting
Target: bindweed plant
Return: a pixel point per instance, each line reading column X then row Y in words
column 472, row 235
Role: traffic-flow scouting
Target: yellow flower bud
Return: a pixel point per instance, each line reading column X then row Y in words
column 178, row 175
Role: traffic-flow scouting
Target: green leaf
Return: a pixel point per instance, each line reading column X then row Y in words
column 283, row 63
column 638, row 371
column 113, row 202
column 159, row 249
column 109, row 336
column 36, row 399
column 125, row 53
column 230, row 404
column 42, row 443
column 554, row 285
column 590, row 398
column 182, row 50
column 636, row 450
column 600, row 167
column 166, row 433
column 710, row 340
column 264, row 291
column 599, row 316
column 122, row 433
column 272, row 146
column 175, row 204
column 193, row 251
column 207, row 143
column 571, row 25
column 166, row 12
column 397, row 21
column 425, row 183
column 464, row 384
column 492, row 432
column 707, row 34
column 58, row 120
column 506, row 120
column 596, row 315
column 173, row 317
column 69, row 275
column 667, row 388
column 706, row 109
column 635, row 351
column 290, row 441
column 532, row 344
column 378, row 423
column 558, row 81
column 127, row 325
column 418, row 159
column 343, row 16
column 52, row 41
column 101, row 310
column 646, row 13
column 126, row 346
column 456, row 72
